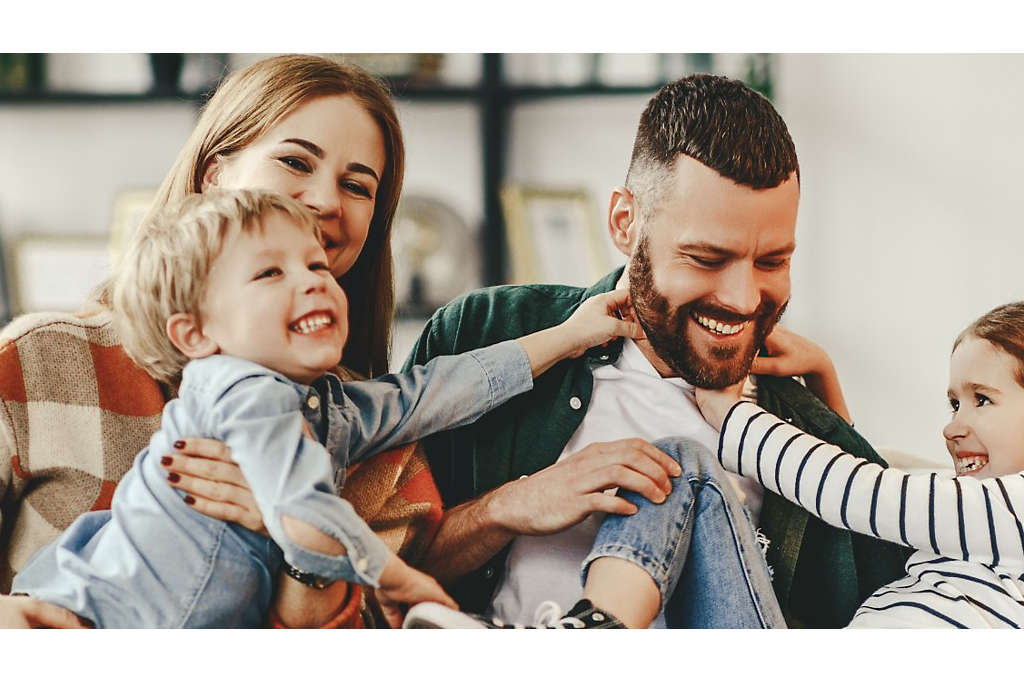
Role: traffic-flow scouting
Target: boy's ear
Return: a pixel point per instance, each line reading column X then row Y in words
column 211, row 174
column 622, row 220
column 187, row 336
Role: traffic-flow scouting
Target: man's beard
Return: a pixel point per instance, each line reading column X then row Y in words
column 666, row 329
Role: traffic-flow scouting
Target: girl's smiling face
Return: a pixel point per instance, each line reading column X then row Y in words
column 986, row 434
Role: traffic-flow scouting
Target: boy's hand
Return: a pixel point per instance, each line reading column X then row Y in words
column 401, row 584
column 600, row 319
column 715, row 405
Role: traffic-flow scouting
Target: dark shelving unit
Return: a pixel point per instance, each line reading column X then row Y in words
column 494, row 97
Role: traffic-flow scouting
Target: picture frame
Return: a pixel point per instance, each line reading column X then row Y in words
column 130, row 208
column 55, row 272
column 552, row 236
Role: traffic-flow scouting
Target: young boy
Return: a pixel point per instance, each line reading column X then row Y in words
column 230, row 293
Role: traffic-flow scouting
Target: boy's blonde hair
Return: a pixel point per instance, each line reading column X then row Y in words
column 165, row 267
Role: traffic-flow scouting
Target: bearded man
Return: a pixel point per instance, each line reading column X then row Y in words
column 707, row 219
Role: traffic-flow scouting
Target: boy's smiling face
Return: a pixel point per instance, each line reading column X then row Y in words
column 986, row 434
column 270, row 298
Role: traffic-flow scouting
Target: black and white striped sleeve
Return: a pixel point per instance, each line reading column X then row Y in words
column 961, row 518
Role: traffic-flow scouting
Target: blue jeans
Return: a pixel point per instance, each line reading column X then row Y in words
column 698, row 545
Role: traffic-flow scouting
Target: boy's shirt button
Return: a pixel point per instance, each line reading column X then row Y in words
column 313, row 402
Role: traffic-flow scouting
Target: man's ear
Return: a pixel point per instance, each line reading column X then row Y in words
column 623, row 225
column 211, row 174
column 187, row 336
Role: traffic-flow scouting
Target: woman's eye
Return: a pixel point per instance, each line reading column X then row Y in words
column 356, row 188
column 268, row 272
column 981, row 399
column 296, row 163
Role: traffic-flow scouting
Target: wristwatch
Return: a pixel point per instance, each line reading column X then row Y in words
column 308, row 579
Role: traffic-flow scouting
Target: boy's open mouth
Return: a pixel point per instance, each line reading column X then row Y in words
column 969, row 463
column 312, row 322
column 716, row 327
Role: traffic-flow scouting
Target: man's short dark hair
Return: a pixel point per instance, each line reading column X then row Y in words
column 717, row 121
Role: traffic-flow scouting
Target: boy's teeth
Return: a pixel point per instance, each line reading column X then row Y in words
column 311, row 323
column 718, row 327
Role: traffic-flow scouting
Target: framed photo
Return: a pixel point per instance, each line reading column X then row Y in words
column 129, row 209
column 553, row 237
column 53, row 272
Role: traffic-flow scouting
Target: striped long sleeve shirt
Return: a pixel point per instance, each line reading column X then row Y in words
column 968, row 570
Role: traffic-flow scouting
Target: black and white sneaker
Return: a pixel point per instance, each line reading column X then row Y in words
column 549, row 616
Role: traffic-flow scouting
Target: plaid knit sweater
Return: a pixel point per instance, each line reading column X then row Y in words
column 74, row 413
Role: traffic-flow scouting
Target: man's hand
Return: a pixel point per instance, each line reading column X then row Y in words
column 401, row 584
column 564, row 493
column 26, row 612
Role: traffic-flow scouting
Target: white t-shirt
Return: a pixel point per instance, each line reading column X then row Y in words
column 630, row 400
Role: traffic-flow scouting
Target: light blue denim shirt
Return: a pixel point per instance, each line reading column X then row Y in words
column 153, row 561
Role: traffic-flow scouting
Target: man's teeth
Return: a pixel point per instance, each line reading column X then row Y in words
column 311, row 323
column 719, row 327
column 966, row 465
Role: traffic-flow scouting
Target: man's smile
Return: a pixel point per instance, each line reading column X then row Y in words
column 717, row 327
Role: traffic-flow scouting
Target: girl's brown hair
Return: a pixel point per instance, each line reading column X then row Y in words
column 253, row 100
column 1003, row 327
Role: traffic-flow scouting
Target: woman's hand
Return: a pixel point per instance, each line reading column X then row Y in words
column 599, row 320
column 401, row 584
column 203, row 468
column 26, row 612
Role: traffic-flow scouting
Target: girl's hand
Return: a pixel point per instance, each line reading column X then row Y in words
column 26, row 612
column 203, row 468
column 715, row 405
column 788, row 354
column 601, row 319
column 401, row 584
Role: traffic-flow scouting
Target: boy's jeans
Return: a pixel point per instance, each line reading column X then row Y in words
column 698, row 545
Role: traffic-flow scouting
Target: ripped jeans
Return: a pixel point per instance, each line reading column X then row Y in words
column 698, row 546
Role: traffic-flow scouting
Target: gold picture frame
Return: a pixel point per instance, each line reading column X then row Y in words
column 553, row 236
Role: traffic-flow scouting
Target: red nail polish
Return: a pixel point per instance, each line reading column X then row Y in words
column 189, row 499
column 85, row 621
column 166, row 461
column 179, row 445
column 173, row 477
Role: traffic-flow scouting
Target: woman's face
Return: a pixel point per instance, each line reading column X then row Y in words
column 328, row 154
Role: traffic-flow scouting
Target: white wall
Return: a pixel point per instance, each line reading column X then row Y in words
column 910, row 221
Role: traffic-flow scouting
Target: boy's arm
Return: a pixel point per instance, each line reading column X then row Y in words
column 961, row 518
column 292, row 482
column 451, row 391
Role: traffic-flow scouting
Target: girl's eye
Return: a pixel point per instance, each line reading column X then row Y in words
column 268, row 272
column 981, row 399
column 296, row 163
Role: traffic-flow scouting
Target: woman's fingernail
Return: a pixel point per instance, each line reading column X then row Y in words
column 166, row 461
column 173, row 477
column 85, row 622
column 179, row 445
column 189, row 499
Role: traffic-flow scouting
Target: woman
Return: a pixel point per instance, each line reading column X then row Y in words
column 324, row 133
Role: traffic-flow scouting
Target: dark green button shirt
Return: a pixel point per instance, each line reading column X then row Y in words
column 821, row 574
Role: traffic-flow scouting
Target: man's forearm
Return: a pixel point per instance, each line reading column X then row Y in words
column 469, row 535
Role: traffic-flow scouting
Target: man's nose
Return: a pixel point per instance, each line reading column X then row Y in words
column 738, row 289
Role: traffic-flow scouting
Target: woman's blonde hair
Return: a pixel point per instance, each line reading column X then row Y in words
column 167, row 263
column 250, row 102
